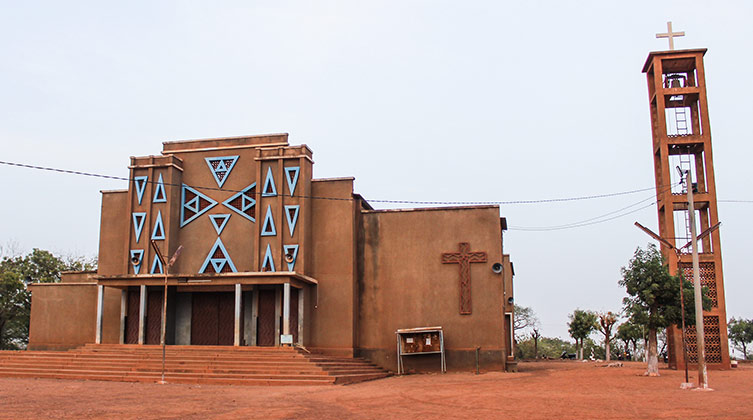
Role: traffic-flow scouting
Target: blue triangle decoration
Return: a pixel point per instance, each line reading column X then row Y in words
column 269, row 189
column 156, row 266
column 222, row 219
column 139, row 183
column 219, row 262
column 291, row 214
column 293, row 251
column 268, row 228
column 268, row 264
column 158, row 233
column 193, row 204
column 138, row 224
column 291, row 175
column 139, row 254
column 243, row 202
column 159, row 191
column 221, row 167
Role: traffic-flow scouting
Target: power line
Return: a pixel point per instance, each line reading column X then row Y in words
column 587, row 222
column 593, row 220
column 508, row 202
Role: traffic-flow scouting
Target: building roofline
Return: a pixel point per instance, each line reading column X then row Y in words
column 479, row 207
column 652, row 54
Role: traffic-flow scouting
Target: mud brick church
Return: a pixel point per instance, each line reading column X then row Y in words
column 273, row 257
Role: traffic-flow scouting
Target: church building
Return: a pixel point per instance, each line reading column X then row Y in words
column 268, row 255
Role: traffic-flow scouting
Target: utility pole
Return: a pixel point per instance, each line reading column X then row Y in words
column 703, row 380
column 678, row 251
column 165, row 267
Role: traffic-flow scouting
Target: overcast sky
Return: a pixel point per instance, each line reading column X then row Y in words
column 418, row 100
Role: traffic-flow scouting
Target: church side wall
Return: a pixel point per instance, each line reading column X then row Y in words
column 332, row 316
column 64, row 315
column 405, row 285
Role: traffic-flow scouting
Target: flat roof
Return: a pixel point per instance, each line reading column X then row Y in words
column 224, row 142
column 478, row 207
column 653, row 54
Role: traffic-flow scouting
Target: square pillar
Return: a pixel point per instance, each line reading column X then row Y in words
column 278, row 314
column 142, row 313
column 301, row 291
column 286, row 309
column 237, row 326
column 254, row 316
column 123, row 312
column 100, row 310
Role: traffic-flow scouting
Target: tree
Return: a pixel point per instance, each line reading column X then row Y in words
column 606, row 323
column 740, row 332
column 548, row 347
column 654, row 298
column 523, row 318
column 16, row 273
column 581, row 325
column 630, row 333
column 535, row 335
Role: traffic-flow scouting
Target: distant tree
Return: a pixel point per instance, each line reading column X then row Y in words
column 548, row 347
column 523, row 318
column 535, row 335
column 740, row 332
column 16, row 272
column 582, row 324
column 606, row 323
column 654, row 298
column 630, row 333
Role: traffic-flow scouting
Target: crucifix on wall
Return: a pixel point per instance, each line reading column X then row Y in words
column 464, row 258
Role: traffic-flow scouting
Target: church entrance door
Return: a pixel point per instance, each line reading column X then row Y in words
column 212, row 319
column 266, row 328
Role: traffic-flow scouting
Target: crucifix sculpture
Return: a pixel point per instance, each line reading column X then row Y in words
column 464, row 258
column 671, row 35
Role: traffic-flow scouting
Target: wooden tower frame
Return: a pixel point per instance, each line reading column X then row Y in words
column 682, row 139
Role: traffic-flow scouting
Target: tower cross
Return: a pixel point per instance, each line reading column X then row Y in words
column 671, row 35
column 464, row 258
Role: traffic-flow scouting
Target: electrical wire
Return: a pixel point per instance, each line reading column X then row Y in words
column 587, row 222
column 593, row 220
column 509, row 202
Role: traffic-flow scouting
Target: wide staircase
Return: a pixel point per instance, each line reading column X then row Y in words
column 189, row 365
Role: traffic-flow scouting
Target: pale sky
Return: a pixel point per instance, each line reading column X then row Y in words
column 418, row 100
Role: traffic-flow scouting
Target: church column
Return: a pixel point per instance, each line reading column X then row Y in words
column 254, row 314
column 100, row 309
column 278, row 314
column 286, row 309
column 301, row 291
column 142, row 313
column 123, row 312
column 238, row 300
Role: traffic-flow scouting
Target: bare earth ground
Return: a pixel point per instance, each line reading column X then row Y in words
column 546, row 390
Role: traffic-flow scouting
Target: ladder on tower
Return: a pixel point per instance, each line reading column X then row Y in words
column 681, row 121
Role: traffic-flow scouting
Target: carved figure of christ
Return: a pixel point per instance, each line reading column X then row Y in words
column 464, row 258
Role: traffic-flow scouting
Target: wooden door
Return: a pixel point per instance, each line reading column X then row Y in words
column 265, row 326
column 204, row 319
column 132, row 317
column 153, row 317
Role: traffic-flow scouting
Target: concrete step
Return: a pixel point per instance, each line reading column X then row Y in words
column 189, row 364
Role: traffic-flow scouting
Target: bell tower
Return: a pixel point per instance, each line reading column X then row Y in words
column 682, row 142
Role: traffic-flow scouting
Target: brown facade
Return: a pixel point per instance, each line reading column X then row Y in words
column 682, row 139
column 271, row 256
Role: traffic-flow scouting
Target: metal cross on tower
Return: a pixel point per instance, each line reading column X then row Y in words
column 671, row 35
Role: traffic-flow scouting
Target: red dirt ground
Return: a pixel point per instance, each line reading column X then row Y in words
column 541, row 390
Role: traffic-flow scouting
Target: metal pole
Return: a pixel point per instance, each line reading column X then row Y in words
column 164, row 323
column 702, row 372
column 682, row 315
